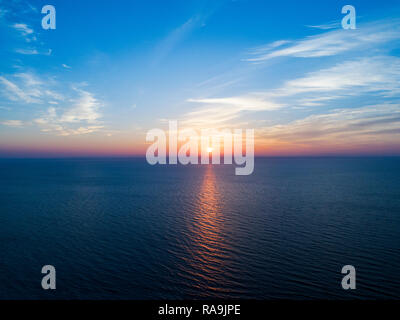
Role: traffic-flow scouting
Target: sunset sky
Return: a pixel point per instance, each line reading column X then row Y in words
column 112, row 70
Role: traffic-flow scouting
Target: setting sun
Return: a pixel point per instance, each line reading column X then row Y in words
column 209, row 149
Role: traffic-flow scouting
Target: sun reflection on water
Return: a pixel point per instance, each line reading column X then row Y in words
column 209, row 253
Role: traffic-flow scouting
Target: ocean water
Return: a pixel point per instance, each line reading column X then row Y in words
column 122, row 229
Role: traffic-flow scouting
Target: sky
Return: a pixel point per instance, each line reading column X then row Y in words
column 113, row 70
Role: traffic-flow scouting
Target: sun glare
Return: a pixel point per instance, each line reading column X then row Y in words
column 209, row 149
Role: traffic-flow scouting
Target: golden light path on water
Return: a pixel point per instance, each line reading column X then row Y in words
column 209, row 255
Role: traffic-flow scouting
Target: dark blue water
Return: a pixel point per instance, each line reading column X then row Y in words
column 122, row 229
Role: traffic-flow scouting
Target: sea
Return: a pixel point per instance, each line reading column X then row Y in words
column 124, row 229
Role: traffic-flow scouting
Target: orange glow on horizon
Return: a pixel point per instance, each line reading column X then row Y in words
column 125, row 146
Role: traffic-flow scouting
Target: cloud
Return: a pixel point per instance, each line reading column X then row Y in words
column 28, row 88
column 21, row 36
column 327, row 26
column 27, row 51
column 179, row 34
column 29, row 79
column 54, row 95
column 340, row 128
column 357, row 78
column 373, row 74
column 270, row 46
column 379, row 76
column 66, row 66
column 219, row 111
column 25, row 31
column 14, row 92
column 175, row 37
column 85, row 108
column 333, row 42
column 32, row 51
column 12, row 123
column 32, row 8
column 82, row 117
column 23, row 28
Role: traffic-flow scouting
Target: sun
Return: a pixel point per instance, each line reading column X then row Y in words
column 209, row 149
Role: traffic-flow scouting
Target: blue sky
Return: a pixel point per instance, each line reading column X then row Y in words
column 110, row 71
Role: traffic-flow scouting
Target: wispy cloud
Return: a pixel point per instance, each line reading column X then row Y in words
column 378, row 75
column 332, row 43
column 25, row 31
column 180, row 33
column 220, row 111
column 28, row 88
column 12, row 123
column 340, row 128
column 32, row 51
column 175, row 37
column 85, row 108
column 373, row 73
column 18, row 19
column 327, row 26
column 27, row 51
column 23, row 28
column 82, row 117
column 14, row 92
